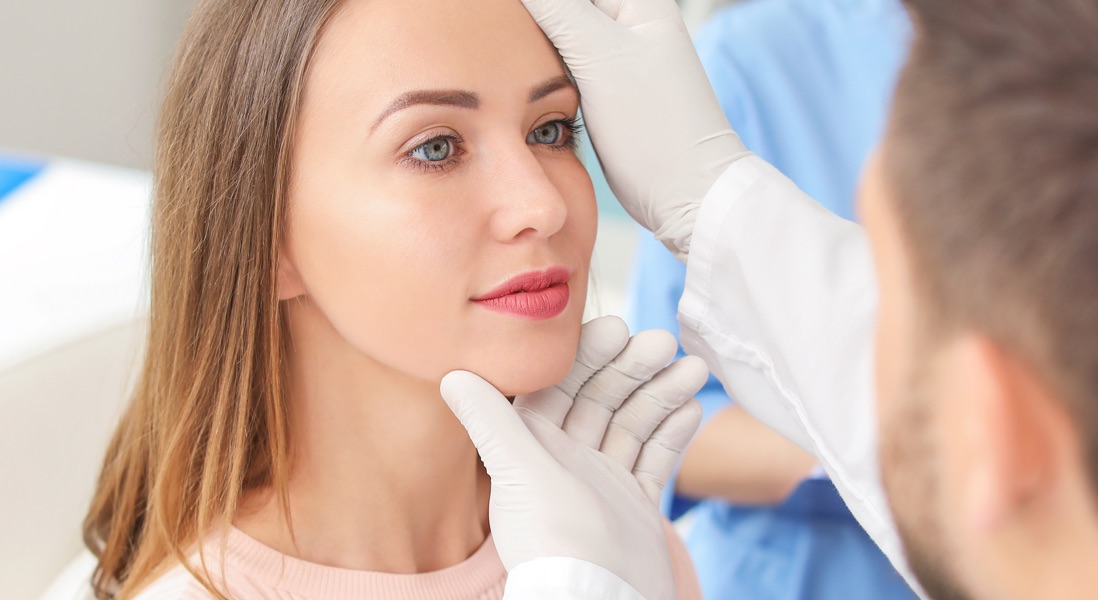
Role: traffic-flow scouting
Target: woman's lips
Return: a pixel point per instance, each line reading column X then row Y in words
column 534, row 295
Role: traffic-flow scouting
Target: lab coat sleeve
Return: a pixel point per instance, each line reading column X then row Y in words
column 780, row 301
column 563, row 578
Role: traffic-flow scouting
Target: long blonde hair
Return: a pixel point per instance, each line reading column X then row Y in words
column 208, row 417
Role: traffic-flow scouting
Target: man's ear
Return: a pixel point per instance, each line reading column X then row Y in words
column 1013, row 430
column 289, row 282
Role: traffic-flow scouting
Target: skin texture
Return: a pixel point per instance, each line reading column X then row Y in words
column 381, row 259
column 983, row 467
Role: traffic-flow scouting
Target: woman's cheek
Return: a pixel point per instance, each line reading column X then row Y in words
column 574, row 183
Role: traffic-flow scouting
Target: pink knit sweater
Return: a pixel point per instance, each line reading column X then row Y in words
column 256, row 572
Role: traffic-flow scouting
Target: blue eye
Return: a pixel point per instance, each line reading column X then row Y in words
column 435, row 150
column 549, row 134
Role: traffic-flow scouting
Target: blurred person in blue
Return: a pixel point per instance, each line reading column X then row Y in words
column 806, row 84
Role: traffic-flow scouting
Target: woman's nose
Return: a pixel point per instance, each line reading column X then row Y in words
column 526, row 202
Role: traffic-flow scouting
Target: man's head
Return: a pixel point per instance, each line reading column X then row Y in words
column 982, row 207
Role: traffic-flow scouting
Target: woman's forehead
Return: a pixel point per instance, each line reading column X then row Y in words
column 373, row 50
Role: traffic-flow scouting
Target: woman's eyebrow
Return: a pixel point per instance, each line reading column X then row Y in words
column 464, row 99
column 549, row 86
column 459, row 98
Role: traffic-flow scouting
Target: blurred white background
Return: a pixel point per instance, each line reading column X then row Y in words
column 80, row 79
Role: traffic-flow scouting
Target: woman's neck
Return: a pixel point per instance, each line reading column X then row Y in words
column 383, row 477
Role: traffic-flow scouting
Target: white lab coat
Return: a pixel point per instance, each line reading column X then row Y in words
column 780, row 300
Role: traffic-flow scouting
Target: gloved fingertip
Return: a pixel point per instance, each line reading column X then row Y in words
column 600, row 341
column 458, row 386
column 657, row 346
column 694, row 372
column 608, row 325
column 661, row 338
column 610, row 334
column 493, row 425
column 456, row 378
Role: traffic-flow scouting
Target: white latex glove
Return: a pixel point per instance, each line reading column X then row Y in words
column 653, row 117
column 577, row 469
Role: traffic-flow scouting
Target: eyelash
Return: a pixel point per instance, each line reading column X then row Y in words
column 572, row 125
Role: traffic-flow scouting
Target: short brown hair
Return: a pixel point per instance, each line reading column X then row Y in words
column 993, row 158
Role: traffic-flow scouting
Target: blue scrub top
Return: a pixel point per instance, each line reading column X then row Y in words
column 807, row 84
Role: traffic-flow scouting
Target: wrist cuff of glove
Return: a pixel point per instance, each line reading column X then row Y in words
column 675, row 233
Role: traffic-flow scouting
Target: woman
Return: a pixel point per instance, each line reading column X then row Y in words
column 352, row 199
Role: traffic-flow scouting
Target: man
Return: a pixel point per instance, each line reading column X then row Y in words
column 982, row 214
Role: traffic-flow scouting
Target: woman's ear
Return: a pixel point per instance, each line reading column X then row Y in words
column 289, row 282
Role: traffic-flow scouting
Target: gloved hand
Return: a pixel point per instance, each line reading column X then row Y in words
column 577, row 469
column 653, row 117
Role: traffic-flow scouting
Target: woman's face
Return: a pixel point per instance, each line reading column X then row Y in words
column 438, row 216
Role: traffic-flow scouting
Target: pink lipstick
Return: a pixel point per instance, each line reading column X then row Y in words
column 535, row 295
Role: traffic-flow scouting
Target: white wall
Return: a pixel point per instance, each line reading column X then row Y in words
column 80, row 79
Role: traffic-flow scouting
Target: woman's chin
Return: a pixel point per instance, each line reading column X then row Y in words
column 517, row 377
column 520, row 360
